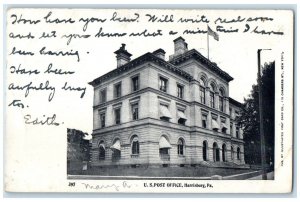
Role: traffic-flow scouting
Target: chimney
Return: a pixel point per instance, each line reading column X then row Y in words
column 180, row 46
column 160, row 53
column 122, row 56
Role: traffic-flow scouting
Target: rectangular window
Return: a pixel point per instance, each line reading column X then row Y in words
column 231, row 129
column 223, row 125
column 103, row 96
column 212, row 100
column 135, row 111
column 181, row 117
column 214, row 124
column 204, row 120
column 118, row 116
column 237, row 132
column 135, row 83
column 163, row 84
column 230, row 111
column 102, row 120
column 117, row 90
column 179, row 91
column 165, row 114
column 202, row 95
column 221, row 104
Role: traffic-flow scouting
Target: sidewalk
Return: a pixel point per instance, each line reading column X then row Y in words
column 270, row 176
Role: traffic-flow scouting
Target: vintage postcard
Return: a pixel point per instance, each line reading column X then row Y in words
column 149, row 100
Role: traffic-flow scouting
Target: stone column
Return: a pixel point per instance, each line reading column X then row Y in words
column 219, row 122
column 234, row 155
column 228, row 153
column 226, row 103
column 234, row 130
column 210, row 154
column 209, row 125
column 242, row 155
column 221, row 154
column 199, row 153
column 241, row 133
column 207, row 96
column 195, row 96
column 228, row 126
column 217, row 101
column 195, row 154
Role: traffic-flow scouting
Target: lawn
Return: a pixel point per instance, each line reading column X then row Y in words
column 164, row 171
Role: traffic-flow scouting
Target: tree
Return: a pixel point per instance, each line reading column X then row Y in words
column 250, row 118
column 78, row 147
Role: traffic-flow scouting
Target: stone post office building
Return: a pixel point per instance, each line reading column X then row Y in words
column 154, row 111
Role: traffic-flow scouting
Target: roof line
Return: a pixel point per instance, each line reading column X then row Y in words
column 235, row 102
column 210, row 65
column 139, row 60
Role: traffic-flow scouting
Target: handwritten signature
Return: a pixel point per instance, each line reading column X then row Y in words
column 117, row 187
column 50, row 120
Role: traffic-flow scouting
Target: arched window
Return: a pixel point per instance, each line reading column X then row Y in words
column 204, row 151
column 238, row 153
column 212, row 95
column 202, row 90
column 135, row 145
column 216, row 152
column 232, row 153
column 116, row 150
column 223, row 152
column 101, row 150
column 180, row 147
column 221, row 100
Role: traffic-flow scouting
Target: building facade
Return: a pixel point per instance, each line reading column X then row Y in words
column 157, row 112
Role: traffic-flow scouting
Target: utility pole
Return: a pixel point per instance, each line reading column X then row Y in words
column 261, row 118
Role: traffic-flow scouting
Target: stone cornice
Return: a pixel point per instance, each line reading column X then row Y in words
column 139, row 92
column 159, row 123
column 148, row 57
column 194, row 54
column 165, row 96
